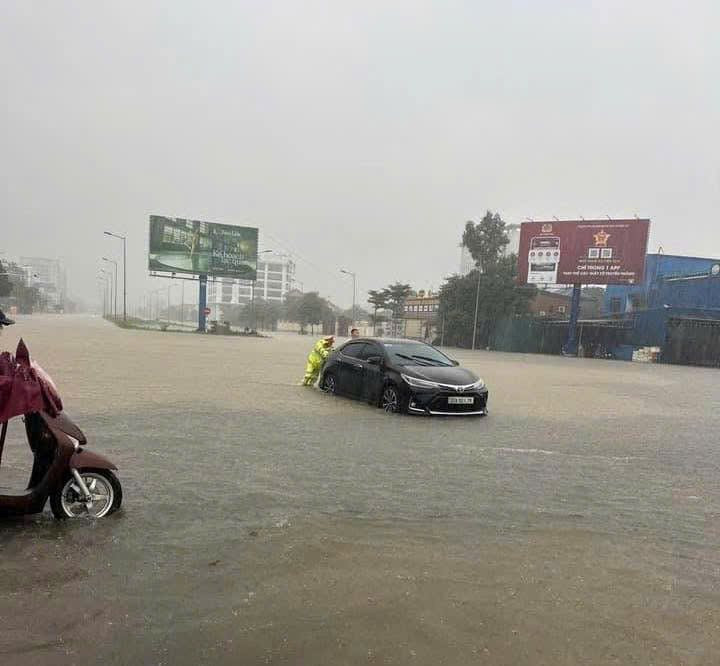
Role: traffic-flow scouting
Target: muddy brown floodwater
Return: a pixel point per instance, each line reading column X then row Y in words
column 268, row 523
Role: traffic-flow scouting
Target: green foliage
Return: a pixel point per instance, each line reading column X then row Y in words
column 485, row 240
column 5, row 284
column 397, row 294
column 26, row 297
column 500, row 297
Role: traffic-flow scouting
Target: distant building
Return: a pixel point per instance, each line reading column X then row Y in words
column 658, row 268
column 275, row 279
column 467, row 263
column 49, row 277
column 420, row 315
column 513, row 234
column 556, row 305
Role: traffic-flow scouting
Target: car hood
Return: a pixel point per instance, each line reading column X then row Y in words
column 454, row 375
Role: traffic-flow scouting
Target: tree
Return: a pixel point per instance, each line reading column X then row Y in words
column 311, row 310
column 485, row 240
column 397, row 294
column 379, row 300
column 500, row 297
column 5, row 284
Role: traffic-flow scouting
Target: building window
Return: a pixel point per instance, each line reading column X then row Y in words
column 561, row 309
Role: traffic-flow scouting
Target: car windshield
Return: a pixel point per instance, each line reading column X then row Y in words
column 415, row 353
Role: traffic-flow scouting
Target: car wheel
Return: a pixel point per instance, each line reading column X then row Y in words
column 391, row 401
column 329, row 384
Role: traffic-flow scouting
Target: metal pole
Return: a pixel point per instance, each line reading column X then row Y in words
column 124, row 281
column 570, row 348
column 202, row 303
column 116, row 278
column 182, row 304
column 168, row 312
column 252, row 298
column 477, row 307
column 354, row 291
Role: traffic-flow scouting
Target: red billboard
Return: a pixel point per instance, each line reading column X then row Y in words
column 583, row 252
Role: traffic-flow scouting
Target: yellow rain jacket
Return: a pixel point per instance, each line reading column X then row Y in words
column 316, row 360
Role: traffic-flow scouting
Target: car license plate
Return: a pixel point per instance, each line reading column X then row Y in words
column 460, row 400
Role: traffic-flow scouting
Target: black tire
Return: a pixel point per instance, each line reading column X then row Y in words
column 56, row 503
column 329, row 384
column 393, row 405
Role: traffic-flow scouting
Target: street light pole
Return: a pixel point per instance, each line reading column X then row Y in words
column 124, row 240
column 477, row 307
column 112, row 261
column 354, row 277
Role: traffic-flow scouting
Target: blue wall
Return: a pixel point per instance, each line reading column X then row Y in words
column 658, row 266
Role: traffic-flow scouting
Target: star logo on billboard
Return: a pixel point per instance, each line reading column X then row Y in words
column 547, row 228
column 601, row 238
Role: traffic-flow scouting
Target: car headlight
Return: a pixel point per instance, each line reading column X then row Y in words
column 418, row 383
column 479, row 384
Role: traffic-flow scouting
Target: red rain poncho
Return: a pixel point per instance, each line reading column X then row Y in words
column 25, row 387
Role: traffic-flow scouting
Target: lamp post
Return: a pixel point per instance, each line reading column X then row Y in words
column 477, row 306
column 105, row 290
column 354, row 277
column 109, row 279
column 112, row 261
column 252, row 295
column 123, row 239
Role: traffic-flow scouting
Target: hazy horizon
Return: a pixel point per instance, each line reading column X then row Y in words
column 354, row 136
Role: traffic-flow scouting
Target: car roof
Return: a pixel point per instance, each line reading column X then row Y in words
column 381, row 341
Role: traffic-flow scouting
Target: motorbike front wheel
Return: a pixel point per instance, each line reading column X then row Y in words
column 105, row 491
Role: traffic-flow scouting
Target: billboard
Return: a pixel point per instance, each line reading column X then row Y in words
column 191, row 246
column 583, row 252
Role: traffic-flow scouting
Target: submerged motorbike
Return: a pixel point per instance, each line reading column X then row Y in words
column 78, row 483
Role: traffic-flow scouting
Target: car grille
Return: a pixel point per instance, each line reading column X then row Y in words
column 440, row 403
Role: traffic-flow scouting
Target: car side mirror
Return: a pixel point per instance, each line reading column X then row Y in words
column 454, row 362
column 374, row 360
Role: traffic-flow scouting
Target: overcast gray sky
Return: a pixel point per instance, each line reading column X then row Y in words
column 356, row 134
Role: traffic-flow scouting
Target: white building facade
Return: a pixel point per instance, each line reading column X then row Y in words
column 275, row 278
column 49, row 277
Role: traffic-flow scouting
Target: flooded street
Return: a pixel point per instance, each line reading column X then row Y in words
column 264, row 522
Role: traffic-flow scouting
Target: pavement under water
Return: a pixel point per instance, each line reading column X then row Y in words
column 264, row 522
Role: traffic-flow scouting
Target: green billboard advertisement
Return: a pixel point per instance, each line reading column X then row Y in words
column 191, row 246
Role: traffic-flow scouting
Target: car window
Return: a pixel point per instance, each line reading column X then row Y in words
column 354, row 349
column 370, row 350
column 415, row 353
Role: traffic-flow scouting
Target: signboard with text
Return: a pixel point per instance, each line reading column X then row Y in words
column 583, row 252
column 178, row 245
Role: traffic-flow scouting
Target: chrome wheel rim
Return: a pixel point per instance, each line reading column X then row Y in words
column 102, row 496
column 330, row 384
column 390, row 400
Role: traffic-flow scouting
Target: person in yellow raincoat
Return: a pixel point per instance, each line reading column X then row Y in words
column 316, row 359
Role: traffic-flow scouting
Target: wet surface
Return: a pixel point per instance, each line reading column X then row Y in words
column 265, row 522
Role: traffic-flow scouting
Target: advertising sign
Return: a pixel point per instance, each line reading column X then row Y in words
column 583, row 252
column 191, row 246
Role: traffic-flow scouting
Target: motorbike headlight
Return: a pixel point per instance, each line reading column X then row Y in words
column 74, row 442
column 418, row 383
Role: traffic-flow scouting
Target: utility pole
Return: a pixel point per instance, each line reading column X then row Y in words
column 112, row 261
column 354, row 277
column 477, row 306
column 124, row 240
